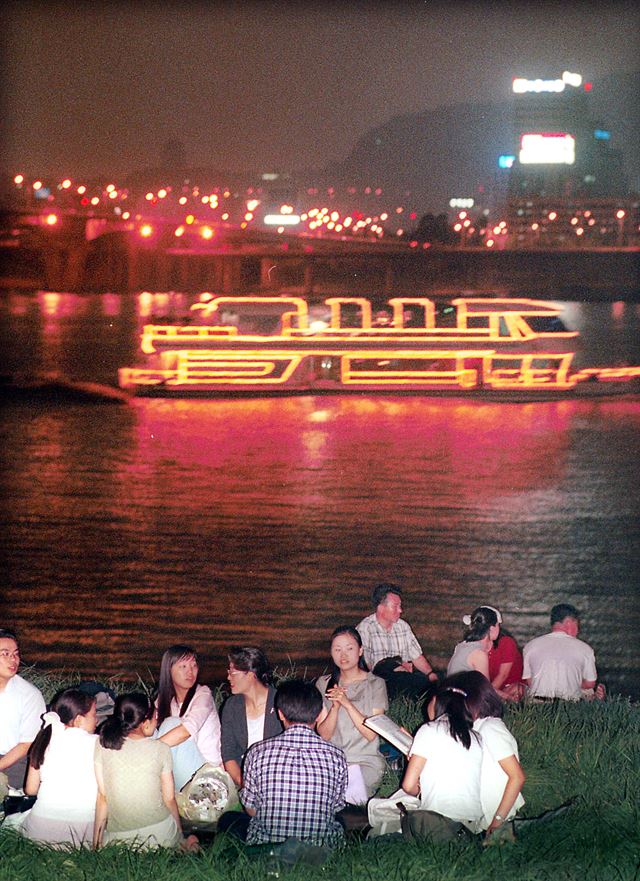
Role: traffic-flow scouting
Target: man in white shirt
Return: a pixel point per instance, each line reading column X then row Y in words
column 21, row 708
column 391, row 649
column 558, row 664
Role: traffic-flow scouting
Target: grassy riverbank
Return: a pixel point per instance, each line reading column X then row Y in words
column 586, row 752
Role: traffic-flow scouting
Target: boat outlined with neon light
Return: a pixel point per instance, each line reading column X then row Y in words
column 282, row 344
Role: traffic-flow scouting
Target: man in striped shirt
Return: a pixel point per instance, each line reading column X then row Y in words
column 295, row 783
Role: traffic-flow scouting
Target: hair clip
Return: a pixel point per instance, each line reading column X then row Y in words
column 457, row 691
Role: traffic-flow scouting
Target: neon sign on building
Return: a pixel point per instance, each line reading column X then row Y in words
column 547, row 148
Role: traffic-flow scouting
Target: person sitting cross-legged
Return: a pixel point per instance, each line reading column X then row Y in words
column 294, row 783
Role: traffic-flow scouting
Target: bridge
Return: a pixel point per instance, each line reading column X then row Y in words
column 93, row 254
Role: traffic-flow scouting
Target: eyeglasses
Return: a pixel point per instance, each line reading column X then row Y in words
column 5, row 654
column 235, row 672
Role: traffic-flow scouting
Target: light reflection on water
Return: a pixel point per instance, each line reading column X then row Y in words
column 269, row 520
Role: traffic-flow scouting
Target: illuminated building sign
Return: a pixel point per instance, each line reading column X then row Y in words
column 461, row 203
column 521, row 85
column 553, row 148
column 490, row 344
column 602, row 135
column 506, row 160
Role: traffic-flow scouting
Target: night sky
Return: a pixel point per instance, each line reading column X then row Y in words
column 97, row 88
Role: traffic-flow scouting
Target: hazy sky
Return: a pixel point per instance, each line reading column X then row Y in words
column 98, row 87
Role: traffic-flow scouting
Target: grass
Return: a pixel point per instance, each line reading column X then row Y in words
column 589, row 752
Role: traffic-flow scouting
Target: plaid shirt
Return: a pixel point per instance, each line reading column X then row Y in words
column 295, row 782
column 381, row 643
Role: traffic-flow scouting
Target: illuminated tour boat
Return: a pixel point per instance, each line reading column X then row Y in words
column 284, row 344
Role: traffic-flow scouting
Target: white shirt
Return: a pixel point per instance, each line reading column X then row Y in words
column 450, row 779
column 255, row 730
column 498, row 743
column 379, row 643
column 556, row 664
column 21, row 708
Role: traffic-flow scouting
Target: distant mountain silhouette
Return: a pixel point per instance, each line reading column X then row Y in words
column 452, row 151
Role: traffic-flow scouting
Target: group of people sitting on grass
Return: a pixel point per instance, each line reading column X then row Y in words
column 298, row 754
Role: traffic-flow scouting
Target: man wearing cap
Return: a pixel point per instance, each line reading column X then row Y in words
column 21, row 706
column 390, row 647
column 558, row 664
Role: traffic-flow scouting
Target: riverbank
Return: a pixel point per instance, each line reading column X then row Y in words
column 586, row 753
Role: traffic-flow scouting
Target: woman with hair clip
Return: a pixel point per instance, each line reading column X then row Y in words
column 483, row 627
column 188, row 721
column 502, row 777
column 248, row 715
column 61, row 773
column 351, row 693
column 136, row 796
column 445, row 761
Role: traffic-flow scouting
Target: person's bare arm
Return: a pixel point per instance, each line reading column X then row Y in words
column 32, row 784
column 515, row 780
column 411, row 779
column 14, row 755
column 175, row 736
column 234, row 771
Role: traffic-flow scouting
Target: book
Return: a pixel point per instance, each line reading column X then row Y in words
column 387, row 728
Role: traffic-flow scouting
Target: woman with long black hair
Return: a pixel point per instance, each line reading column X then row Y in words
column 351, row 693
column 136, row 797
column 61, row 773
column 188, row 720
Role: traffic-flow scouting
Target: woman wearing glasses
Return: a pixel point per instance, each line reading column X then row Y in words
column 248, row 715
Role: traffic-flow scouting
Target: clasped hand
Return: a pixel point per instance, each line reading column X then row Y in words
column 338, row 695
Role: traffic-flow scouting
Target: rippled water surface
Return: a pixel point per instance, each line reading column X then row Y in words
column 127, row 527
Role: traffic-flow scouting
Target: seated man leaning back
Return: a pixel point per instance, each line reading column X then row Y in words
column 391, row 649
column 21, row 706
column 294, row 783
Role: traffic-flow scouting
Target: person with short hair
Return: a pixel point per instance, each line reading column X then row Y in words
column 249, row 714
column 188, row 720
column 21, row 709
column 294, row 783
column 391, row 649
column 558, row 664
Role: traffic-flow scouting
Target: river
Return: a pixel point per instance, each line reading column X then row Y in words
column 126, row 527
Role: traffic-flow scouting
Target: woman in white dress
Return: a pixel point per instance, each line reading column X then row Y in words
column 351, row 693
column 61, row 773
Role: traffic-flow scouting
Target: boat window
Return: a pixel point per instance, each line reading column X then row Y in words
column 546, row 324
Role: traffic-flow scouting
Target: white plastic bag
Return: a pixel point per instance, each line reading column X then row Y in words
column 204, row 798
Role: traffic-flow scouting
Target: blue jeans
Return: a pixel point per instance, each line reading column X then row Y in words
column 186, row 756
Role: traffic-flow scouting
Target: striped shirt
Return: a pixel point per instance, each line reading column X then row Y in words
column 381, row 643
column 295, row 782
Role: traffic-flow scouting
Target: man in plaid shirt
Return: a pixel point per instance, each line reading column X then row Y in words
column 295, row 783
column 390, row 647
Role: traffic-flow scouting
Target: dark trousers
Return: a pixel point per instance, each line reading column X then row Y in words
column 235, row 823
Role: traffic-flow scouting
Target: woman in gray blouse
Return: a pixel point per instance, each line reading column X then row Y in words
column 351, row 693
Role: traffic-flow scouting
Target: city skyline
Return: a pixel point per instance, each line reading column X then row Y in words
column 270, row 86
